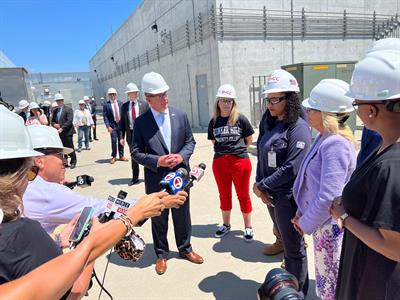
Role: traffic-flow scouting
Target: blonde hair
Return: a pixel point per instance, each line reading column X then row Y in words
column 234, row 115
column 334, row 123
column 11, row 182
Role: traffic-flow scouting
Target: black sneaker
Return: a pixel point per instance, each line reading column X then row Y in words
column 222, row 230
column 248, row 234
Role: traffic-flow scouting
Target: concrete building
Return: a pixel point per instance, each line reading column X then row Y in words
column 73, row 86
column 199, row 45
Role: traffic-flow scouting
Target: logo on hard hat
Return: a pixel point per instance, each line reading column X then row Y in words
column 274, row 78
column 293, row 82
column 178, row 182
column 226, row 92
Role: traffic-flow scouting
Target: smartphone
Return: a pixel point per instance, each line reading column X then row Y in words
column 81, row 225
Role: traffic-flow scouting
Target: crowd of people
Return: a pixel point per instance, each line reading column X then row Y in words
column 310, row 186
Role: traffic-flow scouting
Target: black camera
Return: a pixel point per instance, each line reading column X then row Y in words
column 279, row 284
column 81, row 181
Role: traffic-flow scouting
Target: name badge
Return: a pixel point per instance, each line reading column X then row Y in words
column 272, row 159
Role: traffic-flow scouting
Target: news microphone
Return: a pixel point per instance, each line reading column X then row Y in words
column 81, row 181
column 173, row 182
column 116, row 206
column 196, row 173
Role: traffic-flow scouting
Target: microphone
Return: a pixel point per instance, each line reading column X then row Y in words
column 196, row 173
column 81, row 181
column 117, row 206
column 173, row 182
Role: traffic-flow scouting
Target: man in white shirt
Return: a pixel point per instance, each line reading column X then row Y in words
column 45, row 199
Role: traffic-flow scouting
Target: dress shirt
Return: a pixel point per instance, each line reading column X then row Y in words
column 136, row 107
column 59, row 114
column 52, row 204
column 164, row 124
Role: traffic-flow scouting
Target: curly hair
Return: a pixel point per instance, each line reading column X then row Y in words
column 293, row 111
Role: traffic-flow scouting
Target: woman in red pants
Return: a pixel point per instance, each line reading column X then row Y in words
column 231, row 133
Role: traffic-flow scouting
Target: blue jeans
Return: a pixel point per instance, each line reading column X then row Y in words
column 83, row 130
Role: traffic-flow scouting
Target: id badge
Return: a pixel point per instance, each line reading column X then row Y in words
column 272, row 159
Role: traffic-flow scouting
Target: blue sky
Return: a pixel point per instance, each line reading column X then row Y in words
column 58, row 35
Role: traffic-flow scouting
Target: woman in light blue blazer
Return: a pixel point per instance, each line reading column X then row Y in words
column 323, row 173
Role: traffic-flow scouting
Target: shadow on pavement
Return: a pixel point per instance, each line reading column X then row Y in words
column 103, row 161
column 122, row 181
column 227, row 286
column 204, row 231
column 251, row 252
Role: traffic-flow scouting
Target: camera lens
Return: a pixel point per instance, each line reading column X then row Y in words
column 279, row 284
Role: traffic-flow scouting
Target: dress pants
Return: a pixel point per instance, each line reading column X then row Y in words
column 294, row 250
column 134, row 164
column 115, row 143
column 67, row 141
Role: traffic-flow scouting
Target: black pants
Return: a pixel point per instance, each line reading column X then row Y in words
column 134, row 164
column 68, row 141
column 182, row 229
column 294, row 250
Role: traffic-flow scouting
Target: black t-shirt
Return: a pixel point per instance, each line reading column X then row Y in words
column 372, row 196
column 24, row 245
column 230, row 139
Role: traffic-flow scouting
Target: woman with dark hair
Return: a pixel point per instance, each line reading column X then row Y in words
column 36, row 116
column 283, row 141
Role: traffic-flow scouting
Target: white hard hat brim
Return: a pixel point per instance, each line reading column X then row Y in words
column 18, row 154
column 306, row 103
column 24, row 106
column 282, row 90
column 159, row 91
column 131, row 91
column 362, row 97
column 224, row 96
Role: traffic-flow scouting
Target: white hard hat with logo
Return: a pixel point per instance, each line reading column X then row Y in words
column 226, row 91
column 81, row 102
column 15, row 141
column 329, row 95
column 281, row 81
column 85, row 98
column 23, row 104
column 131, row 88
column 46, row 137
column 111, row 91
column 58, row 96
column 376, row 77
column 33, row 105
column 154, row 83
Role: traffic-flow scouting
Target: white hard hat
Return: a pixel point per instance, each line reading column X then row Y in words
column 281, row 81
column 54, row 105
column 81, row 102
column 85, row 98
column 329, row 96
column 111, row 91
column 58, row 97
column 388, row 44
column 46, row 137
column 226, row 91
column 23, row 103
column 46, row 103
column 131, row 88
column 376, row 77
column 15, row 141
column 33, row 105
column 154, row 83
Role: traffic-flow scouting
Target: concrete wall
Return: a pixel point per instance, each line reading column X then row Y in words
column 14, row 85
column 222, row 60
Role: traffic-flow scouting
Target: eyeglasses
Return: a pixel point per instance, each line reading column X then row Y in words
column 112, row 94
column 275, row 100
column 159, row 96
column 356, row 104
column 226, row 100
column 32, row 173
column 57, row 154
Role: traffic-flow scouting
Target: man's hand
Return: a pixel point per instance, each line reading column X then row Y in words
column 109, row 129
column 122, row 142
column 165, row 161
column 59, row 130
column 336, row 209
column 295, row 222
column 267, row 199
column 256, row 190
column 176, row 159
column 56, row 126
column 175, row 201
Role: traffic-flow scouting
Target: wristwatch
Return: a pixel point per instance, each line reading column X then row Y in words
column 340, row 220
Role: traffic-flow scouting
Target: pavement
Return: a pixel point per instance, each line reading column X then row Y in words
column 232, row 268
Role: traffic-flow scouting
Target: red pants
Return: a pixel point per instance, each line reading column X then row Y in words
column 228, row 168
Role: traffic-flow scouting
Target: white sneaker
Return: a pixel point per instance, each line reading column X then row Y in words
column 222, row 230
column 248, row 234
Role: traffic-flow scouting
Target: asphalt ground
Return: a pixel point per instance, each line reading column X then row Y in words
column 232, row 270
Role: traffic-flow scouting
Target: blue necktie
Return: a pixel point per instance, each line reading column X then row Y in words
column 166, row 129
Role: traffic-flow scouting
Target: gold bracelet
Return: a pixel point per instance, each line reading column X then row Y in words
column 128, row 223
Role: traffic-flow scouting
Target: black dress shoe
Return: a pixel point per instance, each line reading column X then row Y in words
column 73, row 166
column 133, row 182
column 96, row 139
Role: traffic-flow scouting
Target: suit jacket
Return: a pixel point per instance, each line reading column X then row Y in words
column 93, row 109
column 108, row 115
column 149, row 145
column 66, row 118
column 124, row 122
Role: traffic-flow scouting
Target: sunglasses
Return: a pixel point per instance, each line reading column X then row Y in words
column 275, row 100
column 159, row 96
column 32, row 173
column 225, row 100
column 356, row 105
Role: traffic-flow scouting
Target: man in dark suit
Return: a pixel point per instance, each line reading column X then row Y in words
column 163, row 142
column 130, row 110
column 91, row 107
column 112, row 117
column 62, row 121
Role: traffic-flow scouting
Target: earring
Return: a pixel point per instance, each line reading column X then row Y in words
column 370, row 116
